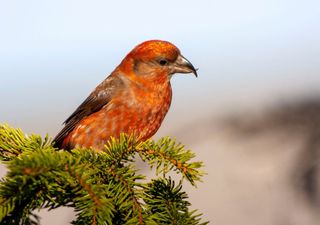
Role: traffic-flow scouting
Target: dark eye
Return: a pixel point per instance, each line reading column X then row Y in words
column 163, row 62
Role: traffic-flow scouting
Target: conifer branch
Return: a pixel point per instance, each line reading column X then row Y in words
column 167, row 202
column 167, row 155
column 103, row 187
column 131, row 193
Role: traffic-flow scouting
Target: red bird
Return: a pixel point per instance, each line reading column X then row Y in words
column 133, row 99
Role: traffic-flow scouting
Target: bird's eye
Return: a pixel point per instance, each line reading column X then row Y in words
column 163, row 62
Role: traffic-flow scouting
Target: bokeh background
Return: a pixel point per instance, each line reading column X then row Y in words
column 251, row 115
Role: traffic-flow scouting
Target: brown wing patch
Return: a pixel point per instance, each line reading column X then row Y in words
column 93, row 103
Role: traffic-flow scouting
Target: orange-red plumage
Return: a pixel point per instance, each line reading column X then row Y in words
column 133, row 99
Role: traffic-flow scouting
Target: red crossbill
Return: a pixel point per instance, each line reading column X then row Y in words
column 133, row 99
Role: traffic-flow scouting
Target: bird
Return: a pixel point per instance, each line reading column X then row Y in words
column 133, row 99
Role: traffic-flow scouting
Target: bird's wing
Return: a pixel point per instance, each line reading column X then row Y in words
column 93, row 103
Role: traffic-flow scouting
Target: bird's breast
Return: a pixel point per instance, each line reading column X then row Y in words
column 146, row 108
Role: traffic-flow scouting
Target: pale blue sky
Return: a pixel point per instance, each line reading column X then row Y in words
column 53, row 53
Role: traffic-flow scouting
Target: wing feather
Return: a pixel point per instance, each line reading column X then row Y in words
column 94, row 102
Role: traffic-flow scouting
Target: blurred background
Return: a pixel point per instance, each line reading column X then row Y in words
column 252, row 115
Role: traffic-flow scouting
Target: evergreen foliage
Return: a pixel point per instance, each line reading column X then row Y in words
column 102, row 187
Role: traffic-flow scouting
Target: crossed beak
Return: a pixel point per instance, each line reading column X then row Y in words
column 182, row 65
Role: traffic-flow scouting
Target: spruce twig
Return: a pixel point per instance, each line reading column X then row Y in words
column 103, row 187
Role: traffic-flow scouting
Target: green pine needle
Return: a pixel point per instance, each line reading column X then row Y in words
column 103, row 187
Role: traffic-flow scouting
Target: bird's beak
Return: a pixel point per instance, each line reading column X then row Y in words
column 182, row 65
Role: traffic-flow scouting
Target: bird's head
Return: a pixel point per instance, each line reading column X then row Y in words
column 155, row 59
